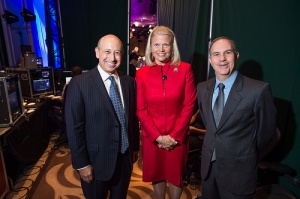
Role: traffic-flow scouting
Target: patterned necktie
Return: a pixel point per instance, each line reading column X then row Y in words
column 218, row 110
column 116, row 100
column 219, row 104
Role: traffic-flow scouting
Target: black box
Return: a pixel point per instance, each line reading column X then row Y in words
column 36, row 82
column 30, row 60
column 11, row 103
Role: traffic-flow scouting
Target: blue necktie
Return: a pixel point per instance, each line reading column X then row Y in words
column 218, row 110
column 219, row 104
column 116, row 100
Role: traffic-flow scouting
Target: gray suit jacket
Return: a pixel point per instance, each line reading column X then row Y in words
column 246, row 126
column 93, row 128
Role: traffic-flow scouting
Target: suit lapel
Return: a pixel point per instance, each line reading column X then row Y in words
column 208, row 101
column 233, row 100
column 100, row 87
column 125, row 93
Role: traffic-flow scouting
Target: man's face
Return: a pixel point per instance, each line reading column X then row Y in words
column 109, row 53
column 223, row 58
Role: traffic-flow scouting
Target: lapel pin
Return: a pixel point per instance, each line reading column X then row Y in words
column 175, row 69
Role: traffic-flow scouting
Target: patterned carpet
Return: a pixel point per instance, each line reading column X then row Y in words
column 53, row 177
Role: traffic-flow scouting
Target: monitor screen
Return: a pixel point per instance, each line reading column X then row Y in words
column 39, row 61
column 41, row 85
column 46, row 74
column 41, row 82
column 13, row 100
column 14, row 96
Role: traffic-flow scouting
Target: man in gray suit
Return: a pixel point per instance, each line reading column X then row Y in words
column 237, row 130
column 104, row 140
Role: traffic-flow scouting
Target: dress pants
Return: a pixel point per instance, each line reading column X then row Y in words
column 211, row 190
column 117, row 185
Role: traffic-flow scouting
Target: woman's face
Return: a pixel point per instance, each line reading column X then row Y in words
column 161, row 49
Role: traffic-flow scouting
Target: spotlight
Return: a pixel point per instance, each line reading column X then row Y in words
column 10, row 17
column 27, row 15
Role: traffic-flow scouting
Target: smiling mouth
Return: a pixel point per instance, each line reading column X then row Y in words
column 223, row 64
column 111, row 64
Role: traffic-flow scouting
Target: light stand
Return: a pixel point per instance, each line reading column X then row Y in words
column 209, row 36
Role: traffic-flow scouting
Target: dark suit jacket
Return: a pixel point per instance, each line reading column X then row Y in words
column 246, row 126
column 93, row 128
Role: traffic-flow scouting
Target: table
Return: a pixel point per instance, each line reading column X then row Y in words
column 25, row 142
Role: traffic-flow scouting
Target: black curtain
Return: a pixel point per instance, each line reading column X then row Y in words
column 182, row 17
column 3, row 54
column 189, row 21
column 85, row 22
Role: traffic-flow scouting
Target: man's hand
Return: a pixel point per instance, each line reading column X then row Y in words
column 135, row 156
column 87, row 174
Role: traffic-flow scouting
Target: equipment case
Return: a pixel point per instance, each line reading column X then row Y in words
column 11, row 103
column 36, row 82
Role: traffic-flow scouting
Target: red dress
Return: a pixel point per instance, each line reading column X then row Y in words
column 165, row 101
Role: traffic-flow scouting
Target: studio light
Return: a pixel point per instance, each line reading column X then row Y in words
column 27, row 15
column 10, row 17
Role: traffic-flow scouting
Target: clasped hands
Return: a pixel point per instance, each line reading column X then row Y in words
column 166, row 142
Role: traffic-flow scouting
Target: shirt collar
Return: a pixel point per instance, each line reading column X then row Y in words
column 228, row 82
column 104, row 75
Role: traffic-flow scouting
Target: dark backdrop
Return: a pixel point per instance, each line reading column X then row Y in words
column 85, row 22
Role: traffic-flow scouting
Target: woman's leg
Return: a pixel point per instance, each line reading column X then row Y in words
column 159, row 189
column 175, row 192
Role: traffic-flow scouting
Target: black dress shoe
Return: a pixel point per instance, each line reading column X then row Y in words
column 199, row 196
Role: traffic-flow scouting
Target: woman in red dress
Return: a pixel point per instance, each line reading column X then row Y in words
column 166, row 95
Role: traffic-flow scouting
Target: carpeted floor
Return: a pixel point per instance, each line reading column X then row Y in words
column 53, row 177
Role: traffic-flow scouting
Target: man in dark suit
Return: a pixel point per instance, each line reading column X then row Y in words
column 236, row 133
column 95, row 127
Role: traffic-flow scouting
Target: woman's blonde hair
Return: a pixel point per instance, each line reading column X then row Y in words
column 175, row 55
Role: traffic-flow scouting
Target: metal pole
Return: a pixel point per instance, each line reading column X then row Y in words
column 61, row 38
column 128, row 35
column 209, row 35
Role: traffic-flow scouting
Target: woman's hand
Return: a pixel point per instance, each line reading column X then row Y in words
column 166, row 142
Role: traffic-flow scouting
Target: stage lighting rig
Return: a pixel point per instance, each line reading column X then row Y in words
column 10, row 17
column 27, row 15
